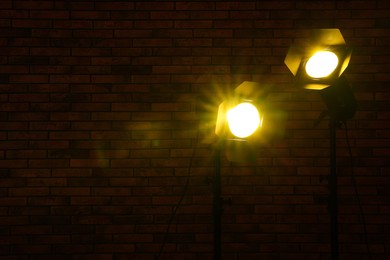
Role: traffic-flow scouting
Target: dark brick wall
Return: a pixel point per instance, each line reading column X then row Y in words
column 100, row 117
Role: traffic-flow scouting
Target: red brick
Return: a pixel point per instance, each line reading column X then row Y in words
column 124, row 248
column 17, row 192
column 153, row 24
column 235, row 6
column 13, row 164
column 193, row 24
column 89, row 200
column 94, row 34
column 51, row 163
column 154, row 6
column 9, row 13
column 90, row 52
column 167, row 15
column 111, row 116
column 49, row 14
column 90, row 15
column 29, row 79
column 125, row 163
column 26, row 154
column 69, row 135
column 87, row 163
column 132, row 15
column 70, row 79
column 115, row 6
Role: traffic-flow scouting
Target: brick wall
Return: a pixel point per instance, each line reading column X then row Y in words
column 101, row 125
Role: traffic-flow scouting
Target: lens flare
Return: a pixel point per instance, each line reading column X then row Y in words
column 243, row 120
column 321, row 64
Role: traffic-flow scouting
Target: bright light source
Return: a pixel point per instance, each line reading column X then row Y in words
column 243, row 119
column 321, row 64
column 321, row 70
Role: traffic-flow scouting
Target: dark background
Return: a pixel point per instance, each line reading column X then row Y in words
column 102, row 122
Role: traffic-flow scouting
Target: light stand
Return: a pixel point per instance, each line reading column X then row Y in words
column 333, row 197
column 341, row 105
column 217, row 204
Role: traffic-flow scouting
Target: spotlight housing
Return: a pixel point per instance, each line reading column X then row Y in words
column 239, row 122
column 240, row 116
column 320, row 63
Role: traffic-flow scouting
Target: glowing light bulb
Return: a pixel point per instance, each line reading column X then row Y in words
column 321, row 64
column 243, row 119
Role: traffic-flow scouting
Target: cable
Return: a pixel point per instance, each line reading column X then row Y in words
column 357, row 193
column 183, row 194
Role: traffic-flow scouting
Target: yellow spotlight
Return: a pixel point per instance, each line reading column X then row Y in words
column 322, row 69
column 321, row 64
column 239, row 124
column 243, row 120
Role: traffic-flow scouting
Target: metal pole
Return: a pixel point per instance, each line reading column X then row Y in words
column 333, row 203
column 217, row 209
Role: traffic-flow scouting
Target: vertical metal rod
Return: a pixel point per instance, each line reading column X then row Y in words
column 217, row 207
column 333, row 203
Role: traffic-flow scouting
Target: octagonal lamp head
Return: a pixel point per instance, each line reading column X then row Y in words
column 321, row 62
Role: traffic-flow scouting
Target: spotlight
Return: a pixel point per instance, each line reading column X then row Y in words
column 240, row 116
column 239, row 122
column 320, row 63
